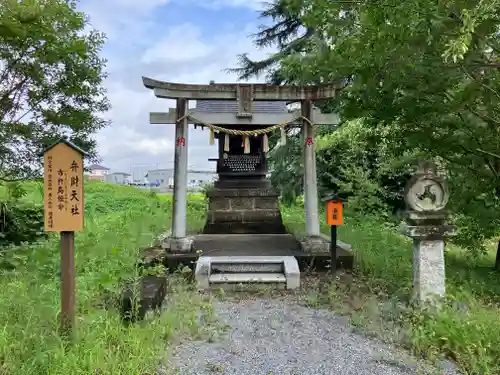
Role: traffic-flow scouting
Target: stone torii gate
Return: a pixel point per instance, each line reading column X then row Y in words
column 244, row 95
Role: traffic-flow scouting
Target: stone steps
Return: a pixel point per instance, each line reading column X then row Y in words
column 231, row 268
column 240, row 278
column 278, row 270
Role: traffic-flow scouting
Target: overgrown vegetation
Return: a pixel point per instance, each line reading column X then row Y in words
column 118, row 222
column 378, row 300
column 21, row 220
column 416, row 79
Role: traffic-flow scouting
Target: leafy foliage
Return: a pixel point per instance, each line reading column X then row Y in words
column 287, row 33
column 50, row 82
column 286, row 167
column 20, row 221
column 423, row 82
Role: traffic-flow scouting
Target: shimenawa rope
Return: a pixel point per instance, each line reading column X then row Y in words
column 245, row 133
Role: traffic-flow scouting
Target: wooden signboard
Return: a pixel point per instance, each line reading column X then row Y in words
column 63, row 199
column 63, row 188
column 334, row 213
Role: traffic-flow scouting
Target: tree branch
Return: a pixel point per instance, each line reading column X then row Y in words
column 480, row 82
column 488, row 153
column 486, row 160
column 487, row 119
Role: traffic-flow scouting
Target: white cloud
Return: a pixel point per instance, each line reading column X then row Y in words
column 182, row 43
column 183, row 53
column 121, row 20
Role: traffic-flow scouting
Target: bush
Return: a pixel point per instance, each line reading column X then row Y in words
column 20, row 220
column 119, row 221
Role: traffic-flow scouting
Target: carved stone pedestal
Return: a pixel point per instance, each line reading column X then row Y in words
column 241, row 207
column 428, row 233
column 178, row 245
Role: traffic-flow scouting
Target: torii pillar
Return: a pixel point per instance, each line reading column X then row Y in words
column 310, row 178
column 179, row 241
column 179, row 209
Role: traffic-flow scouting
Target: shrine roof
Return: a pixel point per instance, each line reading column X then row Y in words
column 231, row 106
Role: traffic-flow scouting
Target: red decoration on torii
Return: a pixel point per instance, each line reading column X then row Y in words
column 309, row 141
column 181, row 141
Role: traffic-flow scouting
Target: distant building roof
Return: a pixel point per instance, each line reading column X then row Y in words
column 122, row 173
column 172, row 170
column 98, row 167
column 160, row 170
column 203, row 172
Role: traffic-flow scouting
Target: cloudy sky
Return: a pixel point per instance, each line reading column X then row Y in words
column 185, row 41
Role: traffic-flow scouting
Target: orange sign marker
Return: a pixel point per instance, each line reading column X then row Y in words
column 334, row 213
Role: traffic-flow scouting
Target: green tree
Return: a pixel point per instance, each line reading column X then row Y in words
column 424, row 79
column 50, row 82
column 429, row 70
column 287, row 32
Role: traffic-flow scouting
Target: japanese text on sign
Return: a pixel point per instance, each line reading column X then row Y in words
column 63, row 175
column 74, row 184
column 60, row 190
column 334, row 213
column 50, row 217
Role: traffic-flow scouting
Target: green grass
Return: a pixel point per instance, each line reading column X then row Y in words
column 467, row 327
column 119, row 221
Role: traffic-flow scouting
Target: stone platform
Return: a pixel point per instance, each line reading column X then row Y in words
column 213, row 245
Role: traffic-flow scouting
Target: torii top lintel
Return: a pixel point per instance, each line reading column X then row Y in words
column 229, row 91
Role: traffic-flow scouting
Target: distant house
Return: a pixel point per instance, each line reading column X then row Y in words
column 119, row 178
column 164, row 178
column 196, row 179
column 96, row 172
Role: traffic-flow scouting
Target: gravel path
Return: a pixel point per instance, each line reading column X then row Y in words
column 277, row 338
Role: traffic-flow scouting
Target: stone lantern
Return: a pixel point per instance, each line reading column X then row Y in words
column 426, row 196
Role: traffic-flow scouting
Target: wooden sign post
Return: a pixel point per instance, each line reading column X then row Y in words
column 334, row 218
column 63, row 207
